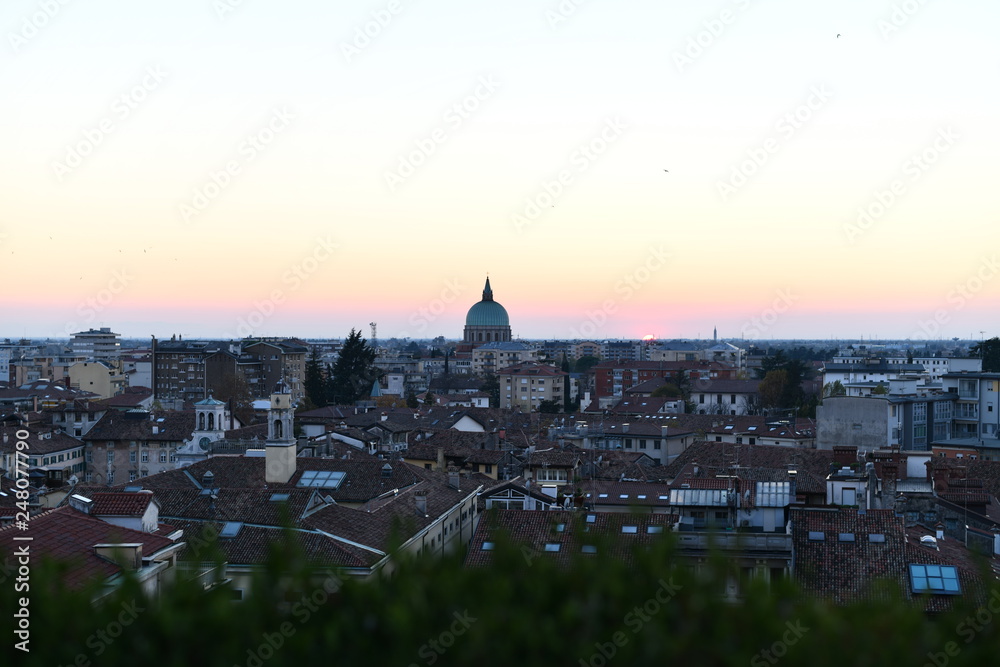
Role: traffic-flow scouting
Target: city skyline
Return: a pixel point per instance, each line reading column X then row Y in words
column 771, row 169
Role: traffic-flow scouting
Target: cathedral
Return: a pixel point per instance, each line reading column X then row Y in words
column 487, row 322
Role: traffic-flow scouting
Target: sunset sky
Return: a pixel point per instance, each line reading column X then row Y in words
column 217, row 168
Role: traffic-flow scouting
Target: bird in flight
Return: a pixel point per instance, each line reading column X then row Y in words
column 667, row 170
column 838, row 35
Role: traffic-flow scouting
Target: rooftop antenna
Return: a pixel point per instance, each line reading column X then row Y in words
column 374, row 326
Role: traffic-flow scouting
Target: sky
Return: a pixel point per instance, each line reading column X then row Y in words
column 222, row 168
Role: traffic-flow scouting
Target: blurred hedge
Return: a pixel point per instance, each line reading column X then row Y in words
column 514, row 613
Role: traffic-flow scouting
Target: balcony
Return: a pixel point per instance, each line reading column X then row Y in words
column 966, row 412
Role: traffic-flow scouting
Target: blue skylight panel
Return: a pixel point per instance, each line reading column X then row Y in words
column 230, row 529
column 941, row 579
column 323, row 479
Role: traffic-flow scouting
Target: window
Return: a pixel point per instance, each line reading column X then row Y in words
column 131, row 457
column 630, row 529
column 325, row 479
column 111, row 457
column 656, row 444
column 588, row 549
column 547, row 475
column 816, row 536
column 163, row 456
column 941, row 579
column 487, row 546
column 653, row 530
column 642, row 444
column 878, row 538
column 552, row 546
column 845, row 537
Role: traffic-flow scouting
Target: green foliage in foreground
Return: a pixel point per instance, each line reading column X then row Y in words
column 525, row 610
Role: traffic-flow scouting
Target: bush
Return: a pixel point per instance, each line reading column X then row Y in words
column 526, row 609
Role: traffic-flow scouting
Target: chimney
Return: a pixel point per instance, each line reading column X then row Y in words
column 440, row 459
column 126, row 554
column 421, row 502
column 80, row 503
column 453, row 479
column 625, row 427
column 939, row 531
column 279, row 462
column 383, row 416
column 845, row 455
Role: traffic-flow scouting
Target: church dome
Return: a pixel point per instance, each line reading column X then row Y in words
column 487, row 313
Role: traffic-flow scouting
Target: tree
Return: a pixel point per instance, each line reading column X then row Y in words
column 835, row 388
column 548, row 407
column 315, row 384
column 989, row 352
column 772, row 388
column 795, row 370
column 750, row 404
column 586, row 362
column 429, row 398
column 411, row 399
column 667, row 390
column 354, row 372
column 491, row 385
column 880, row 390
